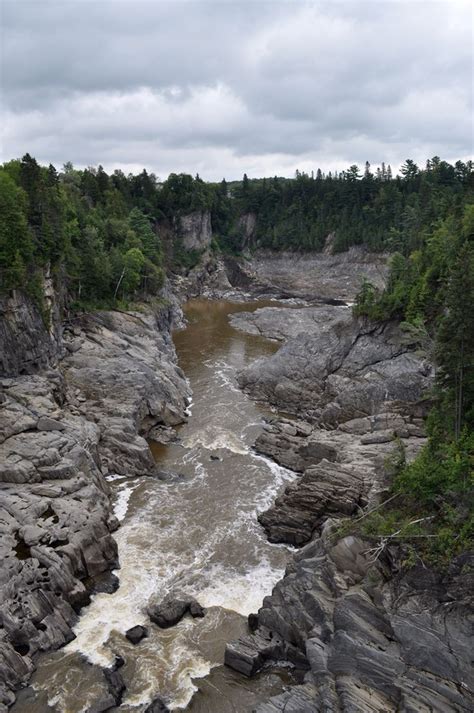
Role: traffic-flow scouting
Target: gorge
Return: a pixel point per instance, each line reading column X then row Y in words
column 335, row 401
column 236, row 441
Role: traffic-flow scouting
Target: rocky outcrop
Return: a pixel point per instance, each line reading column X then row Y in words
column 247, row 226
column 195, row 230
column 368, row 633
column 61, row 432
column 319, row 276
column 122, row 374
column 368, row 638
column 26, row 344
column 343, row 471
column 30, row 330
column 334, row 368
column 54, row 522
column 136, row 634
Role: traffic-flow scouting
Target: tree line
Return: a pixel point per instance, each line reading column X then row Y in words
column 108, row 236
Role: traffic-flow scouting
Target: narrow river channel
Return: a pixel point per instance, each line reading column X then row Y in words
column 196, row 533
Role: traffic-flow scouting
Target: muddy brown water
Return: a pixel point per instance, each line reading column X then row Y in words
column 197, row 533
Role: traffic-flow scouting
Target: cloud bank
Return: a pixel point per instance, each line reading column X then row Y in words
column 220, row 88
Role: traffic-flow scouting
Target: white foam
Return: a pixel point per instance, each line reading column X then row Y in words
column 122, row 501
column 188, row 409
column 281, row 476
column 240, row 592
column 114, row 476
column 213, row 438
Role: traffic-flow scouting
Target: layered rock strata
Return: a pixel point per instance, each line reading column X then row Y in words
column 368, row 637
column 62, row 432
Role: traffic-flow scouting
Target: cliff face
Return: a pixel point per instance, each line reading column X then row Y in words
column 62, row 431
column 369, row 635
column 195, row 230
column 26, row 345
column 29, row 340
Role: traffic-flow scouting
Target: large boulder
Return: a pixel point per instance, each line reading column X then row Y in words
column 171, row 610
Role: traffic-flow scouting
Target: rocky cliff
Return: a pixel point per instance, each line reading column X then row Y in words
column 195, row 230
column 368, row 634
column 30, row 335
column 62, row 431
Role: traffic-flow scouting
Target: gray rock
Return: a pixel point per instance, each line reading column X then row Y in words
column 172, row 609
column 326, row 489
column 49, row 424
column 157, row 706
column 367, row 638
column 195, row 230
column 136, row 634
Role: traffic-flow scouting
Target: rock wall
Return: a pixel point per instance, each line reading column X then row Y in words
column 367, row 636
column 30, row 338
column 26, row 344
column 61, row 433
column 333, row 368
column 195, row 230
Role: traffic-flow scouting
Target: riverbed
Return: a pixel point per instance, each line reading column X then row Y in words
column 195, row 531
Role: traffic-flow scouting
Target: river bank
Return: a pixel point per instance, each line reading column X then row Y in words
column 350, row 393
column 370, row 632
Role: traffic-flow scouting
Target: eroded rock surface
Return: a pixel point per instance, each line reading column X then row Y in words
column 369, row 639
column 171, row 610
column 61, row 432
column 333, row 368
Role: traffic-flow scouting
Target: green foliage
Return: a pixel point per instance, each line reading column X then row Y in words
column 432, row 292
column 16, row 245
column 441, row 468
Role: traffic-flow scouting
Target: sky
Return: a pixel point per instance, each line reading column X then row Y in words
column 226, row 87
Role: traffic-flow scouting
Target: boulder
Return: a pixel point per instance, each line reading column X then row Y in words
column 157, row 706
column 171, row 610
column 136, row 634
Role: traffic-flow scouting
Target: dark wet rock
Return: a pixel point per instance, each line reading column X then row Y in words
column 116, row 685
column 136, row 634
column 26, row 344
column 213, row 457
column 252, row 620
column 172, row 609
column 325, row 489
column 157, row 706
column 114, row 689
column 105, row 583
column 170, row 476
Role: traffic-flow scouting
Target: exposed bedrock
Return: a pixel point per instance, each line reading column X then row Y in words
column 54, row 522
column 342, row 471
column 370, row 635
column 61, row 432
column 29, row 340
column 121, row 373
column 317, row 277
column 333, row 368
column 369, row 638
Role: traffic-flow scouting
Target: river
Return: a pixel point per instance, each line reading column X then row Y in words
column 196, row 533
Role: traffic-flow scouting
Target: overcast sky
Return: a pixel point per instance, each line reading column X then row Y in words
column 223, row 88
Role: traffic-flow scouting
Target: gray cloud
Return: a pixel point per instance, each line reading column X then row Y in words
column 226, row 87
